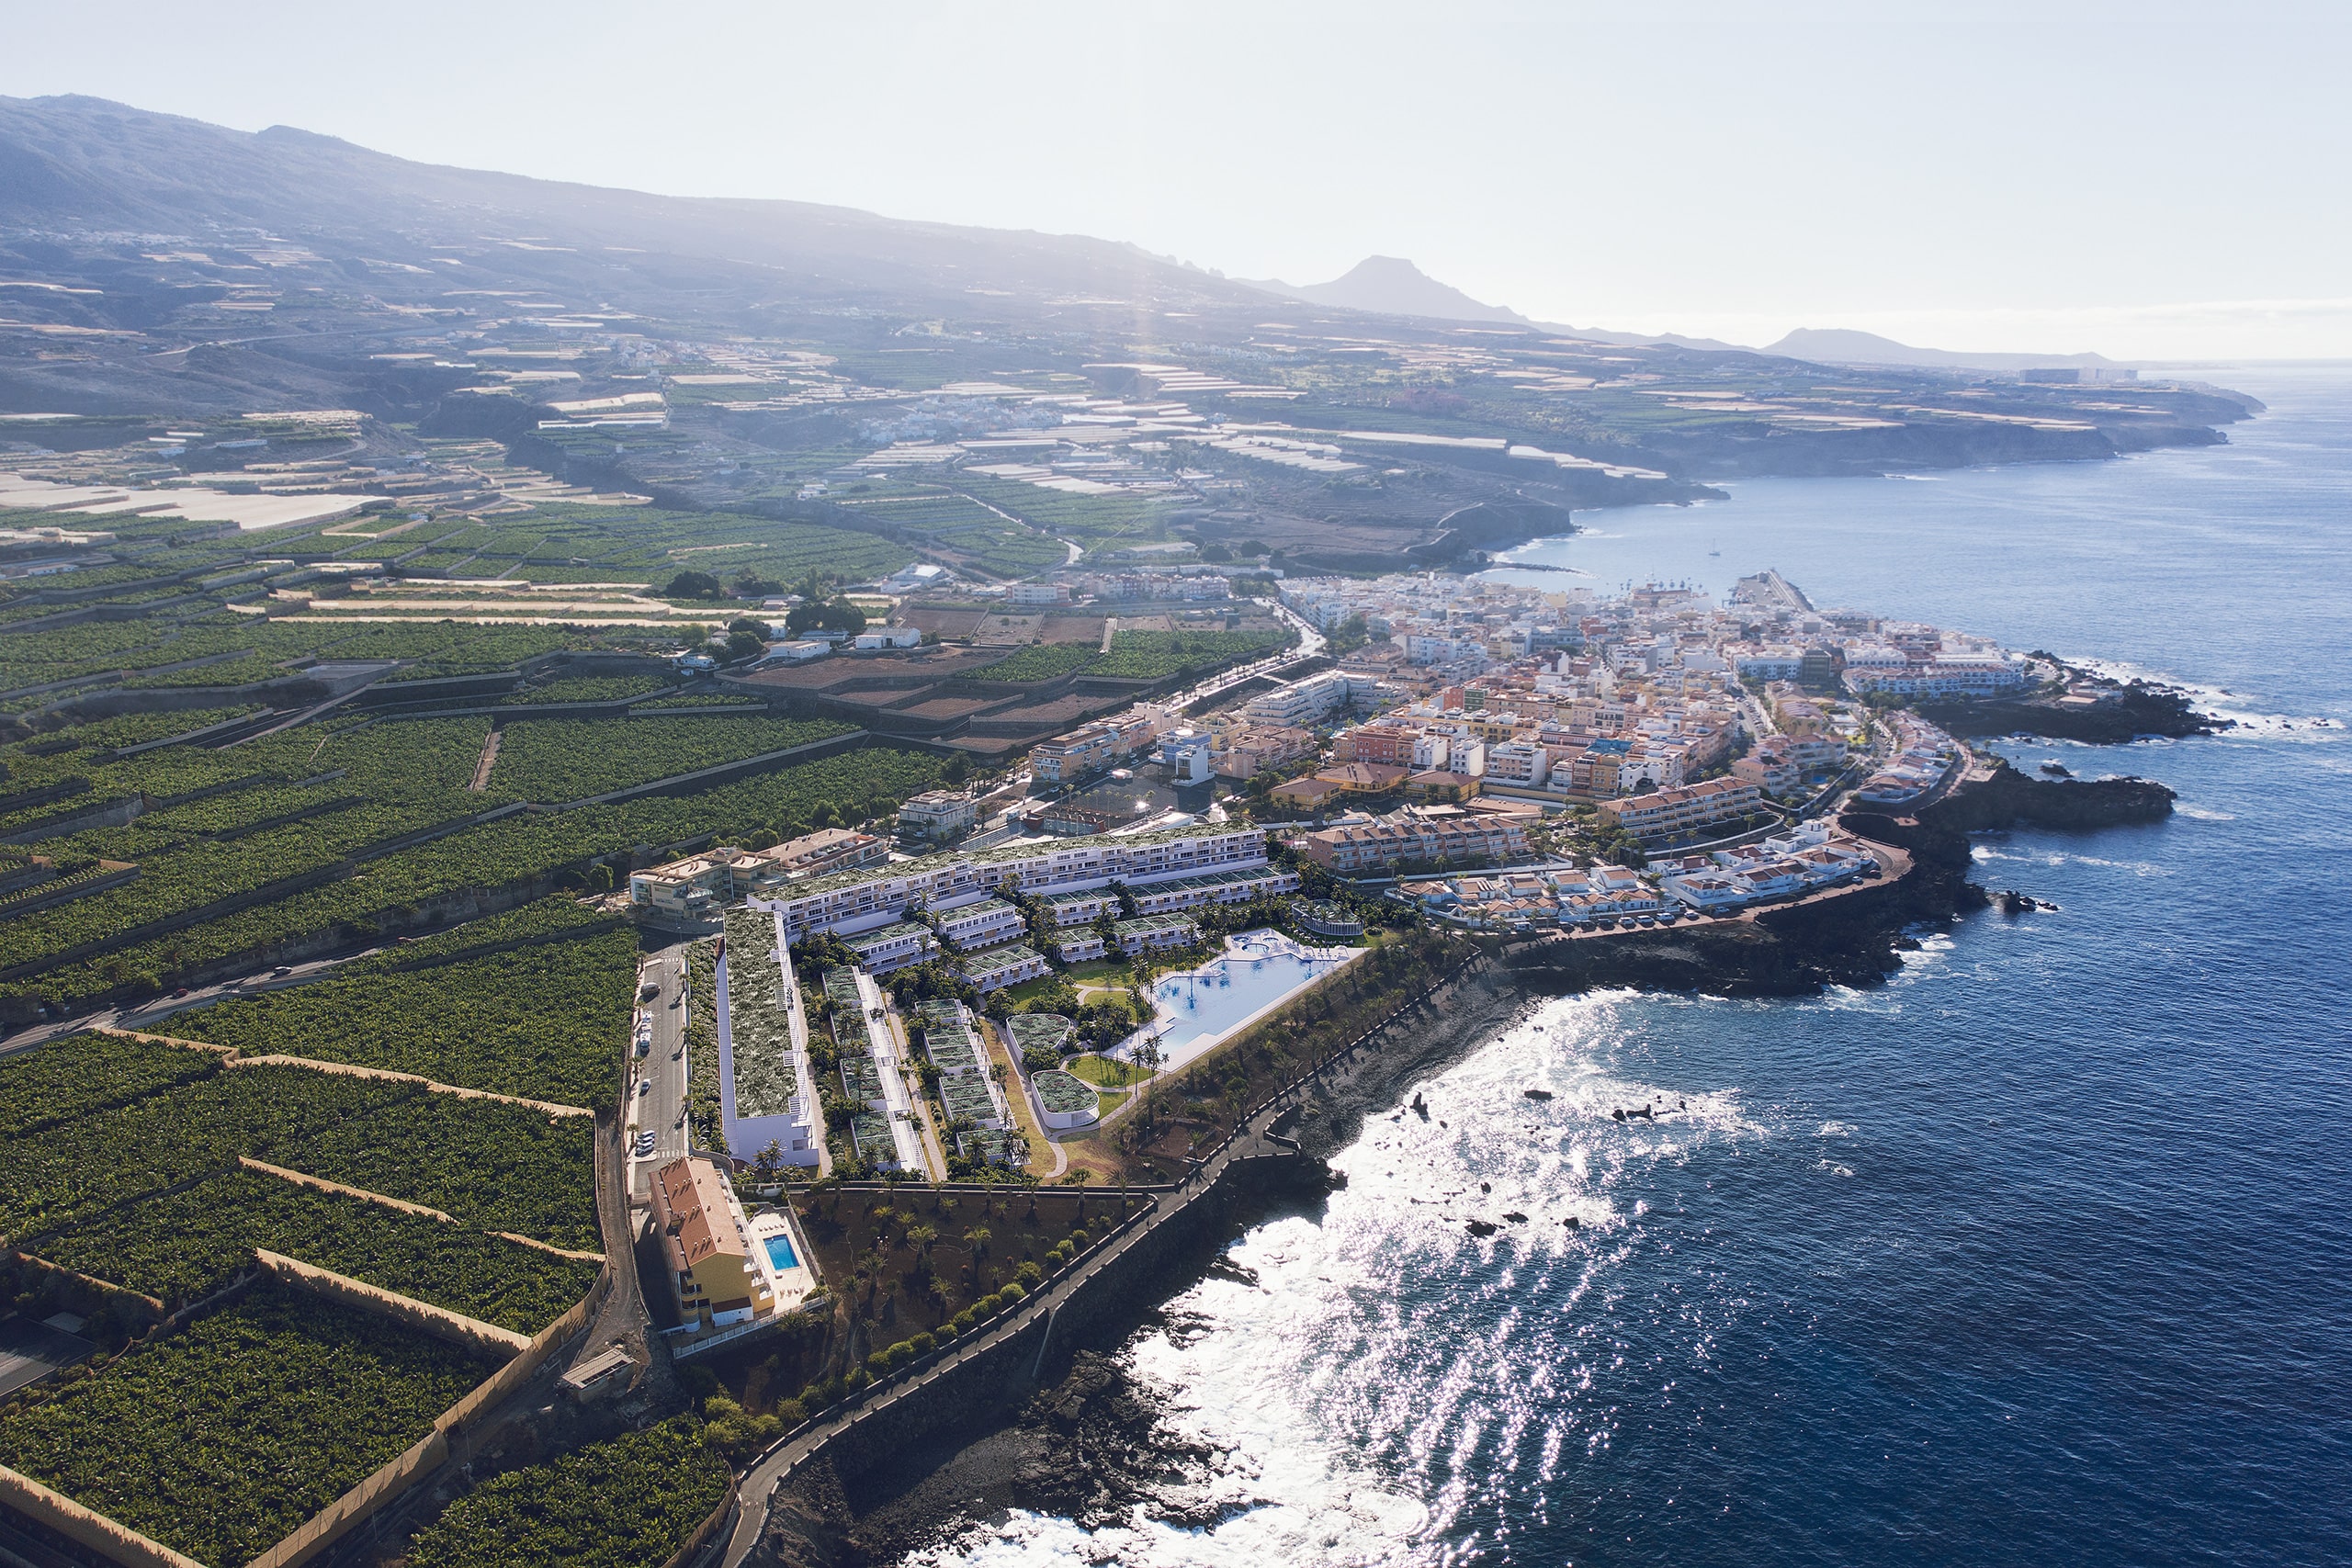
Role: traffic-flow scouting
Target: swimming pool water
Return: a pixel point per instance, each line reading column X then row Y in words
column 780, row 1252
column 1199, row 1006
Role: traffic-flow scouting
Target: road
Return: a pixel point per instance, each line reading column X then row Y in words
column 658, row 1080
column 149, row 1015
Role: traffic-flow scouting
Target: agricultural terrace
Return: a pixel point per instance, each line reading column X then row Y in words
column 547, row 1021
column 1042, row 661
column 552, row 761
column 1156, row 656
column 590, row 689
column 499, row 1167
column 650, row 546
column 628, row 1503
column 183, row 1247
column 276, row 1404
column 396, row 781
column 1097, row 522
column 952, row 525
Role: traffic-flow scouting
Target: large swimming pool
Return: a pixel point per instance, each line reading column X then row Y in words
column 780, row 1253
column 1196, row 1008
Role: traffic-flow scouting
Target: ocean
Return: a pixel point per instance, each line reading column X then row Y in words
column 2039, row 1253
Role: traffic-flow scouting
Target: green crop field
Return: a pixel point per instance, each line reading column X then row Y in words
column 1156, row 656
column 183, row 1247
column 63, row 1175
column 1042, row 661
column 89, row 1073
column 590, row 689
column 558, row 759
column 544, row 1022
column 624, row 1504
column 220, row 1440
column 499, row 1167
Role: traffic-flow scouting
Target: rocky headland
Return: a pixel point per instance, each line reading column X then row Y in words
column 2121, row 712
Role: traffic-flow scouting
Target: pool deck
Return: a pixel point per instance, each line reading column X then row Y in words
column 1246, row 946
column 794, row 1285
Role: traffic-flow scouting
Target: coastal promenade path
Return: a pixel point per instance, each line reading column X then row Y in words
column 1252, row 1140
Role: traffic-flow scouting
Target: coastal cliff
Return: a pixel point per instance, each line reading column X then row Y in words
column 2009, row 798
column 1093, row 1445
column 2126, row 712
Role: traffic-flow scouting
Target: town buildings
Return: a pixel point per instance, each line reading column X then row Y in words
column 1665, row 812
column 701, row 886
column 862, row 901
column 1413, row 838
column 1082, row 752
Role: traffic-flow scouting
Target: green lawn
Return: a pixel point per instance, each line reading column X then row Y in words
column 1104, row 1072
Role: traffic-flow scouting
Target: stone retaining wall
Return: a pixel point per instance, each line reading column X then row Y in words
column 440, row 1322
column 115, row 1542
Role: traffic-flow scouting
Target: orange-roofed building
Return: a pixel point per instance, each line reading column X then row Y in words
column 708, row 1244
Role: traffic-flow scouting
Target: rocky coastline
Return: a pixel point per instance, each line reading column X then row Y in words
column 1097, row 1446
column 2126, row 711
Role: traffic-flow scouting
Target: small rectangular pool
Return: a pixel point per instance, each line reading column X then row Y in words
column 780, row 1253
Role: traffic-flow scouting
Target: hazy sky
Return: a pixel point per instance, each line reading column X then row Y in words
column 2145, row 180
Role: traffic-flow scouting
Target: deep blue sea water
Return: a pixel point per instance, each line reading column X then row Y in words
column 2041, row 1253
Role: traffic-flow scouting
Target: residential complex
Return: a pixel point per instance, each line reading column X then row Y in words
column 858, row 901
column 1416, row 838
column 1665, row 812
column 701, row 886
column 768, row 1101
column 1925, row 760
column 1804, row 860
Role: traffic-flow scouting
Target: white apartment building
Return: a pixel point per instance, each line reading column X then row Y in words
column 1299, row 704
column 938, row 813
column 982, row 924
column 865, row 900
column 1521, row 762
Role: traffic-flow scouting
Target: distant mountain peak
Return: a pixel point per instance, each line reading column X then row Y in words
column 1395, row 287
column 1845, row 345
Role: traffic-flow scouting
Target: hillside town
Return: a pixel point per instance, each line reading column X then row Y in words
column 1488, row 753
column 1463, row 753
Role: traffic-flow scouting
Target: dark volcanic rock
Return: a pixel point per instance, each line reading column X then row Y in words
column 2132, row 711
column 1092, row 1448
column 2010, row 798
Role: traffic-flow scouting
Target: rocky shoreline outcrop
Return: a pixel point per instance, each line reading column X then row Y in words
column 2131, row 711
column 2009, row 799
column 1096, row 1447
